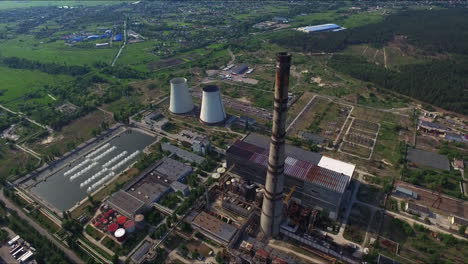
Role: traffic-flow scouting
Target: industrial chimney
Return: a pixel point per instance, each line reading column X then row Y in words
column 212, row 108
column 181, row 100
column 272, row 207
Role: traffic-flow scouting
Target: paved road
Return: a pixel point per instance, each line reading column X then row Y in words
column 69, row 253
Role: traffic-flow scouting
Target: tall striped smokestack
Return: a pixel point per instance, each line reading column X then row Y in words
column 272, row 208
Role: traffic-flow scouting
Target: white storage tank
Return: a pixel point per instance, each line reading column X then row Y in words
column 181, row 99
column 212, row 110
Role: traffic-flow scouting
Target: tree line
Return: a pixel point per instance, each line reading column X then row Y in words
column 441, row 83
column 50, row 68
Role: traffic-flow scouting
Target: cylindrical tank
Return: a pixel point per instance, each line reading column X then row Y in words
column 121, row 220
column 120, row 234
column 212, row 109
column 221, row 170
column 140, row 221
column 129, row 226
column 215, row 175
column 181, row 100
column 112, row 228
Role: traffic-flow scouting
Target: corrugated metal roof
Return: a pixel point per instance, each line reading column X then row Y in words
column 300, row 169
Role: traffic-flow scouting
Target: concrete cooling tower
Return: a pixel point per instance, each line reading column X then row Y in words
column 181, row 100
column 212, row 108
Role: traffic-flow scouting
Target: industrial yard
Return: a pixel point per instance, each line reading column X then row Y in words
column 240, row 132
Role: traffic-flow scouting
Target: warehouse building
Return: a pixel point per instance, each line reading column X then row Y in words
column 182, row 153
column 240, row 69
column 125, row 203
column 320, row 182
column 172, row 169
column 416, row 209
column 321, row 28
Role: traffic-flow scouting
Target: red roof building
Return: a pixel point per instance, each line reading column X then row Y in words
column 261, row 255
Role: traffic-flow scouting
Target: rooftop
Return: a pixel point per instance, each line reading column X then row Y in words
column 125, row 203
column 262, row 254
column 460, row 220
column 323, row 27
column 292, row 151
column 240, row 69
column 148, row 190
column 337, row 165
column 140, row 253
column 182, row 153
column 172, row 169
column 432, row 125
column 418, row 208
column 294, row 167
column 178, row 186
column 215, row 226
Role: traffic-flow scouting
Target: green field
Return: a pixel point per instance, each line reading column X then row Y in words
column 28, row 47
column 16, row 83
column 30, row 3
column 138, row 55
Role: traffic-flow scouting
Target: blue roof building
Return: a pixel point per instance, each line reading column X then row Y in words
column 118, row 37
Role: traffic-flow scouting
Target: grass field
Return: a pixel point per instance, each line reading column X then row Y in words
column 27, row 47
column 16, row 83
column 31, row 3
column 138, row 55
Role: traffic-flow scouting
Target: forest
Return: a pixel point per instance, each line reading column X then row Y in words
column 440, row 81
column 443, row 82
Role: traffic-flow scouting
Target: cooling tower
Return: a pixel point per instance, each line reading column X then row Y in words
column 272, row 207
column 212, row 108
column 181, row 100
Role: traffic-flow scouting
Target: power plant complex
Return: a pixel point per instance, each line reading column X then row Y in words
column 212, row 108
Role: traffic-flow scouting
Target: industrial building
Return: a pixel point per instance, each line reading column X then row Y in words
column 458, row 221
column 155, row 120
column 180, row 187
column 416, row 209
column 321, row 28
column 172, row 169
column 320, row 181
column 182, row 153
column 433, row 128
column 214, row 228
column 240, row 69
column 150, row 186
column 200, row 143
column 212, row 109
column 404, row 192
column 125, row 203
